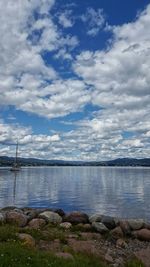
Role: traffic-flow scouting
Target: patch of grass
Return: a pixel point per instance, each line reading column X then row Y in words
column 134, row 263
column 8, row 232
column 49, row 233
column 12, row 255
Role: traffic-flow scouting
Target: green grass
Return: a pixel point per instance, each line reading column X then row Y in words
column 14, row 254
column 8, row 232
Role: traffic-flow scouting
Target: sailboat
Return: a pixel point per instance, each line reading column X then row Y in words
column 16, row 166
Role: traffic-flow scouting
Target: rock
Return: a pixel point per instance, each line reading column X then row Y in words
column 9, row 208
column 51, row 246
column 37, row 223
column 50, row 217
column 2, row 218
column 80, row 246
column 143, row 234
column 108, row 258
column 27, row 239
column 84, row 227
column 100, row 227
column 94, row 236
column 76, row 217
column 125, row 227
column 117, row 232
column 95, row 218
column 30, row 213
column 64, row 255
column 136, row 224
column 109, row 222
column 17, row 218
column 60, row 212
column 120, row 243
column 144, row 256
column 65, row 225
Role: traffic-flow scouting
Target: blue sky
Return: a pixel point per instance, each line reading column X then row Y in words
column 74, row 79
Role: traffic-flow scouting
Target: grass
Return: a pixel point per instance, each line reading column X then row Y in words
column 14, row 253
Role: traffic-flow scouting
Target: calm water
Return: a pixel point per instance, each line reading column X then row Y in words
column 123, row 192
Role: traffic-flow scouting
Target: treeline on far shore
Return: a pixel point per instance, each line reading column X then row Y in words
column 8, row 161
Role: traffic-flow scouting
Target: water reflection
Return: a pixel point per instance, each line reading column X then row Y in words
column 122, row 192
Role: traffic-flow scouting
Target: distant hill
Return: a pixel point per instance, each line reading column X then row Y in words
column 8, row 161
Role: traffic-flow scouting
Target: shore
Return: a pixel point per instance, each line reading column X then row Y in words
column 108, row 240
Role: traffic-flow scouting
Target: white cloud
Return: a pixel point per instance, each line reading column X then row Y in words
column 65, row 19
column 94, row 20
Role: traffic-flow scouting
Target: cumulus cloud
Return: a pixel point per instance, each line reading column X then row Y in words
column 25, row 78
column 94, row 20
column 65, row 19
column 116, row 80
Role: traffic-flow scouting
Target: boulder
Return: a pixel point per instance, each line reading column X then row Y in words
column 143, row 234
column 120, row 243
column 76, row 217
column 125, row 227
column 51, row 217
column 17, row 218
column 100, row 227
column 109, row 222
column 30, row 213
column 117, row 233
column 60, row 212
column 65, row 225
column 27, row 239
column 37, row 223
column 136, row 224
column 95, row 218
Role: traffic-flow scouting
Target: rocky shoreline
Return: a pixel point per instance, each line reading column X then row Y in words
column 114, row 240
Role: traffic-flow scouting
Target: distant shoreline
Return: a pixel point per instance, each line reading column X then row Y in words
column 33, row 162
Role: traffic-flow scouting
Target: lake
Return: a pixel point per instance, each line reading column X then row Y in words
column 115, row 191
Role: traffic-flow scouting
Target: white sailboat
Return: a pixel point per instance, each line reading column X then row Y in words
column 16, row 166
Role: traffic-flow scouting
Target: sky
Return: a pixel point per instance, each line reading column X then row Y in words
column 75, row 79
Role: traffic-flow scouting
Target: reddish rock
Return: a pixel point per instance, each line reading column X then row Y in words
column 76, row 217
column 117, row 232
column 87, row 247
column 51, row 246
column 108, row 258
column 27, row 239
column 143, row 234
column 144, row 256
column 120, row 243
column 37, row 223
column 17, row 218
column 125, row 227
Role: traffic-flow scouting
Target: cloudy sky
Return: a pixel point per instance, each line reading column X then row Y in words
column 75, row 78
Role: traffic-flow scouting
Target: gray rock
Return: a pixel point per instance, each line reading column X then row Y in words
column 109, row 222
column 95, row 218
column 51, row 217
column 100, row 227
column 65, row 225
column 76, row 217
column 136, row 224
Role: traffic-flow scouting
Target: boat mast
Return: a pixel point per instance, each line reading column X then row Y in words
column 16, row 153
